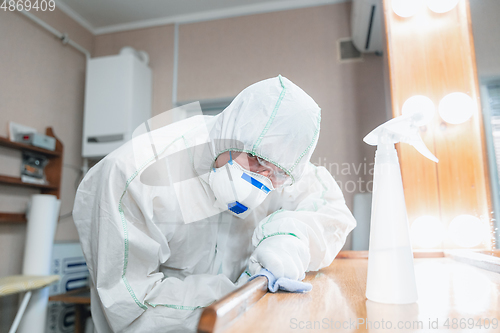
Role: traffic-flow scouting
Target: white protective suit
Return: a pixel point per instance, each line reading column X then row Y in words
column 157, row 247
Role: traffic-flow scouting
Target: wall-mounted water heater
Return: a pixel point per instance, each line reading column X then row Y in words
column 117, row 100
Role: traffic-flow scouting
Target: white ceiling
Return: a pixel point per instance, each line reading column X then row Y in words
column 104, row 16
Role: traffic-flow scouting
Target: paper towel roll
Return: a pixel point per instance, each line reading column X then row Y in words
column 42, row 222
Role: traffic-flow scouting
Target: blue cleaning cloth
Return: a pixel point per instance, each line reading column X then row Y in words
column 282, row 283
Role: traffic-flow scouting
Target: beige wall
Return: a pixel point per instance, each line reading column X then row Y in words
column 41, row 84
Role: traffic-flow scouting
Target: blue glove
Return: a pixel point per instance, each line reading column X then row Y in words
column 282, row 283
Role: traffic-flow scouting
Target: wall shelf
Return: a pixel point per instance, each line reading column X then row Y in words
column 13, row 218
column 7, row 180
column 53, row 172
column 5, row 142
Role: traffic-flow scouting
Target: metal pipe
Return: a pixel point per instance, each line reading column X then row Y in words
column 85, row 167
column 20, row 312
column 62, row 36
column 176, row 64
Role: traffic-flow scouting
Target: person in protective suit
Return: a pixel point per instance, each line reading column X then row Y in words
column 181, row 215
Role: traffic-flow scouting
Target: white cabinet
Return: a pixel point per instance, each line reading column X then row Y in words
column 117, row 100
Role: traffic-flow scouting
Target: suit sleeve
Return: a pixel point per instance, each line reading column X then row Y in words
column 313, row 211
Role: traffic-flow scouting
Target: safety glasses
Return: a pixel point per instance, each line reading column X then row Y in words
column 278, row 177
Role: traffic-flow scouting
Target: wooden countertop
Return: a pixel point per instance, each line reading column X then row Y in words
column 450, row 293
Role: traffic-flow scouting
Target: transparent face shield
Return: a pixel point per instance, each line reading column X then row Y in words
column 278, row 177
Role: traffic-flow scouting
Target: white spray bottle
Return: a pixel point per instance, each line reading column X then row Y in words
column 391, row 276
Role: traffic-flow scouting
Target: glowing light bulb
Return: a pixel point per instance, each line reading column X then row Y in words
column 427, row 231
column 456, row 108
column 467, row 231
column 422, row 107
column 405, row 8
column 441, row 6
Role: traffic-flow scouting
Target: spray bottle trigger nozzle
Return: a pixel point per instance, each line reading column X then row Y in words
column 420, row 146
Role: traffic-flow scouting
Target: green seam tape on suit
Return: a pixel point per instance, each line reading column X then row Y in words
column 271, row 118
column 125, row 228
column 270, row 218
column 179, row 307
column 316, row 133
column 278, row 234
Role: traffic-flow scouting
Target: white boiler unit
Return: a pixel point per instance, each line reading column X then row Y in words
column 117, row 100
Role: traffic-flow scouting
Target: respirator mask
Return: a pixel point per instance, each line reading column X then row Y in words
column 238, row 190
